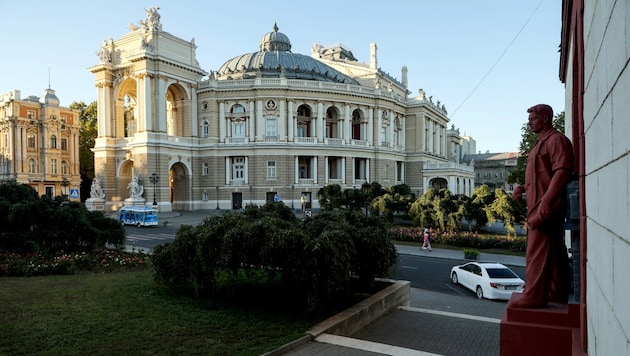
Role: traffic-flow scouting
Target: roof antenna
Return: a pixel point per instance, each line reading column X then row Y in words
column 49, row 76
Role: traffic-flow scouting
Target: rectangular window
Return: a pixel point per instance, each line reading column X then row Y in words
column 271, row 127
column 205, row 169
column 271, row 169
column 238, row 168
column 238, row 129
column 383, row 134
column 6, row 140
column 32, row 166
column 301, row 131
column 53, row 166
column 30, row 114
column 64, row 144
column 53, row 141
column 31, row 141
column 64, row 167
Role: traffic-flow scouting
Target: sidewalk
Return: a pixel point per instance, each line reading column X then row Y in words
column 507, row 260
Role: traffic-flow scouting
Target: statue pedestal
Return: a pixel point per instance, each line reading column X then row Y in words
column 95, row 204
column 135, row 201
column 554, row 330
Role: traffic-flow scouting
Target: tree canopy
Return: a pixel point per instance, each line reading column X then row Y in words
column 87, row 137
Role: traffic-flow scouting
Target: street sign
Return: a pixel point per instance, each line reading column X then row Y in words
column 74, row 193
column 276, row 197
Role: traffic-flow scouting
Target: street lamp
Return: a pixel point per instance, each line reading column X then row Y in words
column 154, row 180
column 64, row 183
column 292, row 194
column 367, row 188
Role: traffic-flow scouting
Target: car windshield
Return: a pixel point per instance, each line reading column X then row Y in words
column 500, row 273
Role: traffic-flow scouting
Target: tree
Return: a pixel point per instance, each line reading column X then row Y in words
column 482, row 197
column 503, row 208
column 87, row 137
column 527, row 142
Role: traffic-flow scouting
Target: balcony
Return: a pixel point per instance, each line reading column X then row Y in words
column 236, row 140
column 306, row 140
column 334, row 141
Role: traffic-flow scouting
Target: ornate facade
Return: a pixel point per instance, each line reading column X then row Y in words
column 39, row 143
column 265, row 123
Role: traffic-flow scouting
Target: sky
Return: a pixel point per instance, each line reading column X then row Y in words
column 487, row 61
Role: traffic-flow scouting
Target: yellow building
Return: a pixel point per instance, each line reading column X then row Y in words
column 270, row 124
column 39, row 143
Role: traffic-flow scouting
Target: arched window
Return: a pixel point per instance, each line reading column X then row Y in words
column 204, row 129
column 238, row 109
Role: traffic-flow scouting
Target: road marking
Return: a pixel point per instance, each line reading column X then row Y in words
column 454, row 315
column 409, row 267
column 370, row 346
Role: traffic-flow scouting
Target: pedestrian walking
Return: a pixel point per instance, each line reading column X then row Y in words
column 427, row 238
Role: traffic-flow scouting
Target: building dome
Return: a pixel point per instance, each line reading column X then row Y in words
column 275, row 60
column 49, row 98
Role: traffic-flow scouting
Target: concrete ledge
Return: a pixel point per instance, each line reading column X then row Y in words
column 354, row 319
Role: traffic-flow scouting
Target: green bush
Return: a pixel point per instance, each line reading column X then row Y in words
column 44, row 226
column 314, row 259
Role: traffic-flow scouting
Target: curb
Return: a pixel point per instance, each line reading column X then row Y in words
column 356, row 318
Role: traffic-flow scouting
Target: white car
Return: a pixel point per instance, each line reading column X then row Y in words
column 488, row 279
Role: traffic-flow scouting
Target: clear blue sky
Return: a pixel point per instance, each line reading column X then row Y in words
column 449, row 47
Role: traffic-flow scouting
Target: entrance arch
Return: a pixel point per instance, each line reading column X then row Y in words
column 438, row 183
column 179, row 187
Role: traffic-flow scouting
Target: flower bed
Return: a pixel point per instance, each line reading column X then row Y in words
column 107, row 260
column 461, row 239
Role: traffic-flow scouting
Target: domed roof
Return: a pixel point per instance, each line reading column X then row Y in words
column 49, row 98
column 275, row 60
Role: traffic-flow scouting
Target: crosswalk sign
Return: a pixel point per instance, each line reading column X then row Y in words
column 74, row 193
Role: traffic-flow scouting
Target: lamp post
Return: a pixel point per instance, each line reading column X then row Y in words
column 217, row 196
column 292, row 193
column 367, row 188
column 64, row 183
column 154, row 179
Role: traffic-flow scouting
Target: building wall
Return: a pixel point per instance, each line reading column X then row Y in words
column 27, row 127
column 607, row 167
column 168, row 138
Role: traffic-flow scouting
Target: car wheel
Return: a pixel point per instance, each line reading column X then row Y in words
column 454, row 278
column 479, row 292
column 138, row 225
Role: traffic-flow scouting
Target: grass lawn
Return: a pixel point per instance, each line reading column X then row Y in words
column 126, row 313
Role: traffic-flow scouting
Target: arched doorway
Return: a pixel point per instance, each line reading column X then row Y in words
column 179, row 184
column 438, row 183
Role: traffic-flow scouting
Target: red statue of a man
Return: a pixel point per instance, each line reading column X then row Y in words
column 550, row 166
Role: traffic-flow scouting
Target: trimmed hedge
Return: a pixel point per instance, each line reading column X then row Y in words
column 461, row 239
column 313, row 258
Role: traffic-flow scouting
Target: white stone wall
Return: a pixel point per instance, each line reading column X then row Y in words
column 606, row 126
